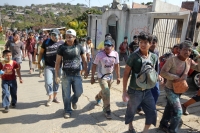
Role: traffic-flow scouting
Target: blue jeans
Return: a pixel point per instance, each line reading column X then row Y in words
column 146, row 100
column 68, row 82
column 6, row 93
column 173, row 111
column 89, row 64
column 50, row 84
column 155, row 92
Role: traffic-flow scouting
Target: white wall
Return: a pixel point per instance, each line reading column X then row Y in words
column 161, row 6
column 138, row 23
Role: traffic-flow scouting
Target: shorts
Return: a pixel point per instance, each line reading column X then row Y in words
column 17, row 59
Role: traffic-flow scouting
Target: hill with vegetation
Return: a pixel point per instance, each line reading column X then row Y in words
column 38, row 17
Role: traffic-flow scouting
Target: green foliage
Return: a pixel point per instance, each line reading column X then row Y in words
column 1, row 36
column 148, row 3
column 75, row 17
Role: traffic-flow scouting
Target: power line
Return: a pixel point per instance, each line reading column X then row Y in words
column 100, row 3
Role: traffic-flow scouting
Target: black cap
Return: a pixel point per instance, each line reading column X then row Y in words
column 55, row 31
column 108, row 34
column 88, row 38
column 135, row 37
column 125, row 37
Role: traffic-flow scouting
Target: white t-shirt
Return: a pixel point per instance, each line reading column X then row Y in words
column 89, row 49
column 106, row 64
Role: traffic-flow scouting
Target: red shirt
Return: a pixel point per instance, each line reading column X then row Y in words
column 9, row 70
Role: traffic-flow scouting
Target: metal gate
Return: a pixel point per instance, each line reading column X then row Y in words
column 168, row 32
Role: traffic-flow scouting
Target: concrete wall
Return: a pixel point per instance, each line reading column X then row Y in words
column 197, row 36
column 161, row 6
column 103, row 22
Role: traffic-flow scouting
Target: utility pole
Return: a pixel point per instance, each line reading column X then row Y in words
column 194, row 19
column 0, row 20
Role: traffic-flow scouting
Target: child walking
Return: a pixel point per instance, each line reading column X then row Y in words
column 8, row 67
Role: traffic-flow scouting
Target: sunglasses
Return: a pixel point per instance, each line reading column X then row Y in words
column 107, row 45
column 53, row 34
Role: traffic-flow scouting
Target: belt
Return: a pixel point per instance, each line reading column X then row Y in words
column 72, row 72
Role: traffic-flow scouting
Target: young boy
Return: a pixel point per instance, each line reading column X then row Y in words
column 137, row 95
column 7, row 68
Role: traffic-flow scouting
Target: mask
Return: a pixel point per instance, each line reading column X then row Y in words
column 6, row 59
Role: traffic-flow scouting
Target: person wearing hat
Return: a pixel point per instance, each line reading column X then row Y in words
column 70, row 52
column 89, row 52
column 48, row 51
column 107, row 61
column 101, row 44
column 123, row 50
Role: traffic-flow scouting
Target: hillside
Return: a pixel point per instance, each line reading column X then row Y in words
column 45, row 16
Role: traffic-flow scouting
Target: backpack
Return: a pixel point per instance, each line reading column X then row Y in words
column 147, row 77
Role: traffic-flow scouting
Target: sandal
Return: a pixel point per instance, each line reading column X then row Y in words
column 132, row 130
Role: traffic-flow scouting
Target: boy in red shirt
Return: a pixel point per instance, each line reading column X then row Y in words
column 8, row 77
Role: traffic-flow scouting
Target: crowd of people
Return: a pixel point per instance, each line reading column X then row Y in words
column 69, row 59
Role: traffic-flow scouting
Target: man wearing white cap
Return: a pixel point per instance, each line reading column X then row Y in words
column 48, row 51
column 70, row 52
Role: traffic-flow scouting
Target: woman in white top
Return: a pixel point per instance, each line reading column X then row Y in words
column 89, row 52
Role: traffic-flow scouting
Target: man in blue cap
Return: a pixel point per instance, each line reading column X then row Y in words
column 48, row 51
column 107, row 61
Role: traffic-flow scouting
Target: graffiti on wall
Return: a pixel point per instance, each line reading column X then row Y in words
column 99, row 33
column 136, row 31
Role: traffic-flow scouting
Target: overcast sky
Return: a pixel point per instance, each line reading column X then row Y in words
column 92, row 2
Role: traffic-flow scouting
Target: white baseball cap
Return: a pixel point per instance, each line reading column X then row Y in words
column 71, row 32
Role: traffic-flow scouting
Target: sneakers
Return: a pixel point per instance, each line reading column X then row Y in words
column 13, row 105
column 98, row 101
column 185, row 112
column 48, row 102
column 164, row 128
column 56, row 100
column 30, row 72
column 6, row 109
column 108, row 114
column 67, row 115
column 74, row 106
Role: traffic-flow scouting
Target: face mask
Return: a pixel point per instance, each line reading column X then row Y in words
column 6, row 59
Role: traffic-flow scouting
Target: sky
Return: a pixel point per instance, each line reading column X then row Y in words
column 74, row 2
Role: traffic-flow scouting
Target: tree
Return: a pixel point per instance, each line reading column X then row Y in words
column 148, row 3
